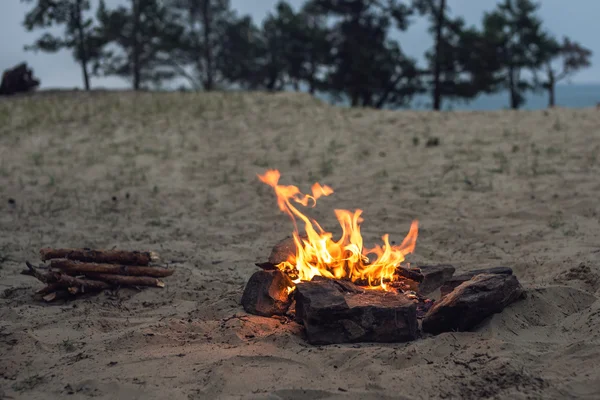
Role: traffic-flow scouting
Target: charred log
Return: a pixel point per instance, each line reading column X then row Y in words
column 434, row 276
column 267, row 293
column 472, row 302
column 331, row 314
column 456, row 280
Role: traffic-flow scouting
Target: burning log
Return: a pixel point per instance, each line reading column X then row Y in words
column 76, row 267
column 457, row 280
column 434, row 276
column 331, row 314
column 267, row 293
column 101, row 256
column 472, row 302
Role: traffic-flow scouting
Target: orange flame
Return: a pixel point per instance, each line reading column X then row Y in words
column 317, row 254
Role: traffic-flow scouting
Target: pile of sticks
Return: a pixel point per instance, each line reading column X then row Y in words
column 76, row 271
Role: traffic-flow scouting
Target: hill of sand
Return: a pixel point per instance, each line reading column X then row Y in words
column 177, row 173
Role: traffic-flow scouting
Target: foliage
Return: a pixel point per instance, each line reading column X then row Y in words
column 137, row 41
column 78, row 35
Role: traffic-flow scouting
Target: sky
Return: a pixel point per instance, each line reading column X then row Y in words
column 576, row 19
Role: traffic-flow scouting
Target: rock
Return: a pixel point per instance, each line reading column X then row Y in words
column 472, row 302
column 456, row 280
column 434, row 276
column 266, row 293
column 331, row 314
column 18, row 80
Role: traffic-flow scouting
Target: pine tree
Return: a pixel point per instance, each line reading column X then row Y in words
column 137, row 41
column 78, row 35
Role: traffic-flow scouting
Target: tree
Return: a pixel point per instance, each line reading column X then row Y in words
column 448, row 77
column 204, row 23
column 367, row 67
column 78, row 34
column 512, row 42
column 572, row 57
column 137, row 41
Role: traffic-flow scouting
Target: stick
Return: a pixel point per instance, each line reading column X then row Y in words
column 126, row 280
column 101, row 256
column 65, row 281
column 76, row 267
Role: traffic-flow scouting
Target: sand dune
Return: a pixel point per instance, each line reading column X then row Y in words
column 507, row 188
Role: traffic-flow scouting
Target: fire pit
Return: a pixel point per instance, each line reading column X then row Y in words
column 342, row 291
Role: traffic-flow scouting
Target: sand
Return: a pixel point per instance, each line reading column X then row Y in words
column 503, row 188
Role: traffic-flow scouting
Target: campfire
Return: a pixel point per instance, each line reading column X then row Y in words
column 343, row 291
column 318, row 254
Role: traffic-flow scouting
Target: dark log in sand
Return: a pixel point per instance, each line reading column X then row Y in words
column 267, row 293
column 101, row 256
column 76, row 267
column 472, row 302
column 122, row 280
column 332, row 315
column 434, row 276
column 456, row 280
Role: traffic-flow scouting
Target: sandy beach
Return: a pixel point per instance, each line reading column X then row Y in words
column 177, row 173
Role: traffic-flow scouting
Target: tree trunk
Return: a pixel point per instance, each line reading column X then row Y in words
column 514, row 97
column 135, row 57
column 437, row 67
column 208, row 56
column 81, row 44
column 551, row 89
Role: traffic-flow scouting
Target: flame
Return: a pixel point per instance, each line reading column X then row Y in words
column 317, row 254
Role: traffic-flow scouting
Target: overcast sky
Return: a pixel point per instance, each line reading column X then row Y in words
column 577, row 19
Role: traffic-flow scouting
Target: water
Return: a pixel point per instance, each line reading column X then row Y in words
column 567, row 95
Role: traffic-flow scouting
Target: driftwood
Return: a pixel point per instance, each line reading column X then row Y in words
column 122, row 280
column 76, row 267
column 457, row 280
column 472, row 302
column 60, row 280
column 267, row 293
column 331, row 314
column 101, row 256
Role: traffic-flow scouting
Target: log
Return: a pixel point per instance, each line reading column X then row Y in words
column 456, row 280
column 332, row 315
column 101, row 256
column 472, row 302
column 76, row 267
column 122, row 280
column 267, row 293
column 410, row 273
column 60, row 280
column 434, row 276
